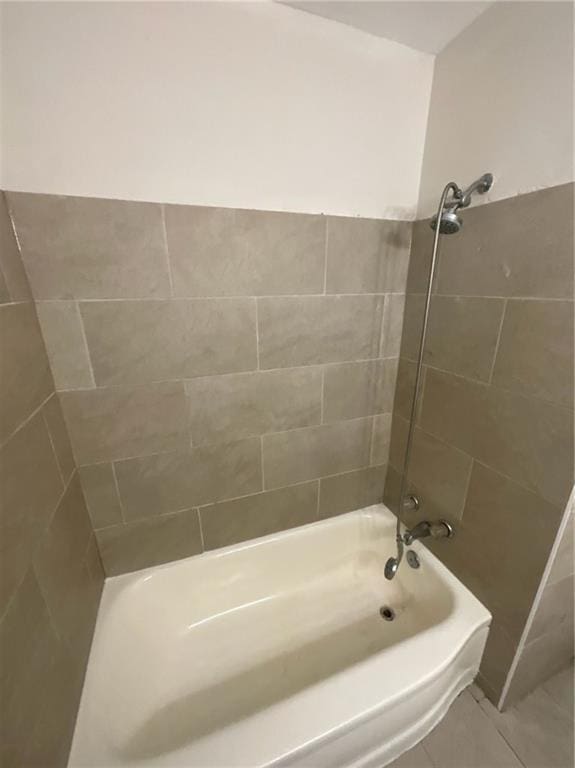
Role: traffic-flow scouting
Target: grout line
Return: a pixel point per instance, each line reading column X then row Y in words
column 201, row 528
column 235, row 297
column 16, row 303
column 318, row 498
column 262, row 462
column 166, row 246
column 491, row 298
column 27, row 419
column 325, row 256
column 383, row 324
column 86, row 347
column 257, row 335
column 467, row 485
column 120, row 502
column 321, row 412
column 496, row 350
column 56, row 459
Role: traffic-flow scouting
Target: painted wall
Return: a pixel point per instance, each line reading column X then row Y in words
column 502, row 101
column 251, row 105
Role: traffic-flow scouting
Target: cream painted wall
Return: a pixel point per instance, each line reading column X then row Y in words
column 251, row 105
column 502, row 101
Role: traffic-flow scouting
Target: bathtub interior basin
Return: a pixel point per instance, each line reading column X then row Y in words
column 284, row 650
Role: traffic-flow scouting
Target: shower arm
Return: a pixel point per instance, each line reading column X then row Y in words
column 457, row 193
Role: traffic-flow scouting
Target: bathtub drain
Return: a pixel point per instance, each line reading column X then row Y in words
column 387, row 613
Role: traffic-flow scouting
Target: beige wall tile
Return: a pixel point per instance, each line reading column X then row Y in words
column 52, row 412
column 392, row 328
column 31, row 486
column 367, row 255
column 535, row 354
column 135, row 342
column 564, row 561
column 420, row 257
column 15, row 282
column 515, row 529
column 521, row 246
column 527, row 439
column 305, row 454
column 352, row 390
column 228, row 252
column 89, row 248
column 405, row 387
column 232, row 521
column 381, row 438
column 26, row 377
column 438, row 472
column 122, row 422
column 65, row 343
column 59, row 561
column 554, row 608
column 145, row 543
column 462, row 333
column 352, row 490
column 169, row 482
column 101, row 494
column 320, row 329
column 541, row 659
column 225, row 408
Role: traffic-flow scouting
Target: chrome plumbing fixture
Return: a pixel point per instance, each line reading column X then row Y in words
column 453, row 198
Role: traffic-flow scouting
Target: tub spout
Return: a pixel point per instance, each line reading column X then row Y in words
column 439, row 529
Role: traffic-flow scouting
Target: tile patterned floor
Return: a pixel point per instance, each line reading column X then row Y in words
column 535, row 733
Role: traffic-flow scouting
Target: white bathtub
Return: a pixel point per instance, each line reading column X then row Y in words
column 273, row 653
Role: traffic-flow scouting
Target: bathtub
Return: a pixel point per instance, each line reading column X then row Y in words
column 274, row 652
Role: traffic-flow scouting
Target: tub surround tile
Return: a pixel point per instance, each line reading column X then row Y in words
column 392, row 325
column 231, row 407
column 233, row 521
column 152, row 485
column 135, row 342
column 381, row 438
column 52, row 412
column 31, row 486
column 26, row 377
column 112, row 423
column 560, row 689
column 535, row 354
column 144, row 543
column 367, row 255
column 556, row 607
column 353, row 390
column 510, row 249
column 420, row 257
column 308, row 330
column 15, row 285
column 462, row 333
column 229, row 252
column 438, row 472
column 61, row 555
column 91, row 248
column 352, row 490
column 65, row 343
column 305, row 454
column 528, row 439
column 101, row 494
column 516, row 529
column 564, row 561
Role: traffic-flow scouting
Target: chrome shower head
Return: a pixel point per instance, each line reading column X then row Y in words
column 450, row 223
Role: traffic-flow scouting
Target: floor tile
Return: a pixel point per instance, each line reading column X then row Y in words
column 537, row 729
column 467, row 738
column 413, row 758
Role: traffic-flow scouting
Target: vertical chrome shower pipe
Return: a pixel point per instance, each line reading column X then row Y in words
column 390, row 572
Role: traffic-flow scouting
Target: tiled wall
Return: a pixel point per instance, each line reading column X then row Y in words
column 549, row 644
column 51, row 575
column 223, row 373
column 493, row 449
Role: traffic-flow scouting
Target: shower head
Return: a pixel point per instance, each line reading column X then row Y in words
column 449, row 224
column 449, row 221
